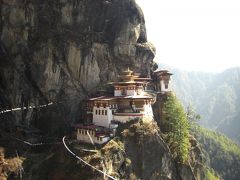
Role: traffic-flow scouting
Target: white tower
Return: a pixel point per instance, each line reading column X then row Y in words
column 163, row 78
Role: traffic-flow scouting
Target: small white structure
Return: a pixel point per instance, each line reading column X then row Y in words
column 91, row 134
column 163, row 77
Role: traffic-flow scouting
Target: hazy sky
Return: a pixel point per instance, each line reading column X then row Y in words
column 202, row 35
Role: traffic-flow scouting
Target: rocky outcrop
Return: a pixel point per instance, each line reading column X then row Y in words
column 149, row 154
column 138, row 152
column 62, row 51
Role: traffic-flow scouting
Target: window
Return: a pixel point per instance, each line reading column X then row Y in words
column 99, row 112
column 124, row 92
column 166, row 86
column 96, row 112
column 105, row 112
column 138, row 92
column 102, row 112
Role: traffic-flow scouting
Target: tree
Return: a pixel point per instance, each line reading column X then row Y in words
column 176, row 127
column 192, row 116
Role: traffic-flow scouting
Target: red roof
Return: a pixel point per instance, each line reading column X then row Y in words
column 128, row 114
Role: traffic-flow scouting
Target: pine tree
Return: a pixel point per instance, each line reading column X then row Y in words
column 176, row 126
column 192, row 116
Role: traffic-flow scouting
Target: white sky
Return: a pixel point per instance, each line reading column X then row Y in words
column 199, row 35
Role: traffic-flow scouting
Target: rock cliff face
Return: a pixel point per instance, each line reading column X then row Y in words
column 61, row 51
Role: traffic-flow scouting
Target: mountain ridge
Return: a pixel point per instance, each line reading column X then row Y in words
column 215, row 96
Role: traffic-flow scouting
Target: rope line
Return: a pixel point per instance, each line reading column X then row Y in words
column 104, row 168
column 30, row 107
column 37, row 144
column 32, row 144
column 111, row 177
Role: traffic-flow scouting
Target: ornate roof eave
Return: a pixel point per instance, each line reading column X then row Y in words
column 127, row 83
column 162, row 72
column 121, row 98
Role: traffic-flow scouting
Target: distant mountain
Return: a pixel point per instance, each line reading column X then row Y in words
column 215, row 96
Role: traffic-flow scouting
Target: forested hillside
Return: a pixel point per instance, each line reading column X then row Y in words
column 216, row 97
column 220, row 153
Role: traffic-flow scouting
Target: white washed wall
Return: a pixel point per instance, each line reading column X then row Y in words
column 131, row 92
column 163, row 89
column 117, row 93
column 102, row 119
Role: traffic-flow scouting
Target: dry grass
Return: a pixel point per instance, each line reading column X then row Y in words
column 113, row 146
column 9, row 166
column 145, row 127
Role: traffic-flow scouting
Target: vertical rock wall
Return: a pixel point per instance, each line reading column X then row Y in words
column 61, row 51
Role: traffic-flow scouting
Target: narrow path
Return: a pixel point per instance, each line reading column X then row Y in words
column 77, row 157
